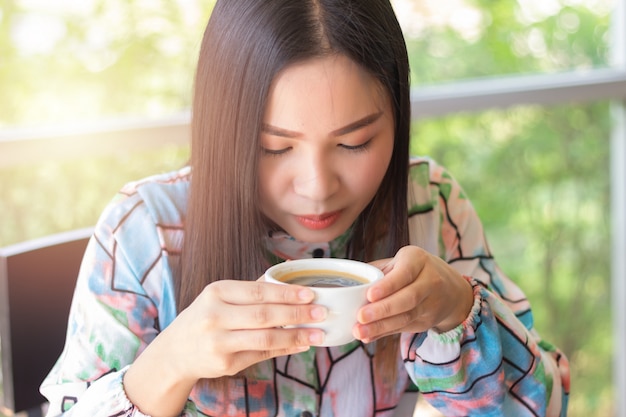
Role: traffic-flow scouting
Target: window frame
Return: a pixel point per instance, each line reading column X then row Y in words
column 618, row 211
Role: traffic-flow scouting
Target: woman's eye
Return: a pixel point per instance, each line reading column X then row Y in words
column 275, row 152
column 356, row 148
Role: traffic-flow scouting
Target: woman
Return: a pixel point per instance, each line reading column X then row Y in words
column 300, row 137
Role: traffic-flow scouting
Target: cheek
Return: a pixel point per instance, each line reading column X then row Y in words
column 376, row 172
column 271, row 185
column 371, row 173
column 380, row 160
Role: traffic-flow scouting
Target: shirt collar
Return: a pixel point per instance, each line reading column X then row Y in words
column 282, row 247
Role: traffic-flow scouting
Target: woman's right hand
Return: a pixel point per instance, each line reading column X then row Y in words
column 235, row 324
column 229, row 327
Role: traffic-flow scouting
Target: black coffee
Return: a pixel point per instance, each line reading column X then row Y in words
column 322, row 278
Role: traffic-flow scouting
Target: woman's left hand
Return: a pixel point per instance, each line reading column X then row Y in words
column 419, row 291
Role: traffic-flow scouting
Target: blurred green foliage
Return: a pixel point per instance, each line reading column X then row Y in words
column 95, row 59
column 538, row 176
column 506, row 38
column 58, row 196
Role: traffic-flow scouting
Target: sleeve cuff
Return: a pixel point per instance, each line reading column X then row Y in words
column 440, row 348
column 454, row 335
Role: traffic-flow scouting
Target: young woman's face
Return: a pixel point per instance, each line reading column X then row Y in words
column 326, row 143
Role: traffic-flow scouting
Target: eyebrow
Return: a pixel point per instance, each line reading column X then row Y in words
column 352, row 127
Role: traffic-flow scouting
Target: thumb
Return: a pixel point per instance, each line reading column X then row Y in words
column 384, row 265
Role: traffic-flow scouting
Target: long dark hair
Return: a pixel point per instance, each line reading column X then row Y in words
column 246, row 43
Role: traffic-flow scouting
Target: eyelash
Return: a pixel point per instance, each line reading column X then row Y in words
column 356, row 149
column 274, row 153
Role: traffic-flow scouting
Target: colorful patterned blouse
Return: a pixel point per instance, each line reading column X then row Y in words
column 493, row 364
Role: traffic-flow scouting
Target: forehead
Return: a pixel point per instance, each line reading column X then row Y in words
column 331, row 90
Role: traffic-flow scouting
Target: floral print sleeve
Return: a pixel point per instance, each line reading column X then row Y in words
column 494, row 363
column 123, row 298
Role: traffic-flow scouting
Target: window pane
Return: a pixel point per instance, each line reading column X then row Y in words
column 456, row 39
column 86, row 60
column 57, row 196
column 70, row 60
column 539, row 179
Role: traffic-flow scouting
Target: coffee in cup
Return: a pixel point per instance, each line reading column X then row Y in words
column 339, row 284
column 322, row 278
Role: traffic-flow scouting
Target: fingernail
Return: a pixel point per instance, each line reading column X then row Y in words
column 316, row 338
column 367, row 315
column 375, row 294
column 318, row 313
column 305, row 295
column 363, row 332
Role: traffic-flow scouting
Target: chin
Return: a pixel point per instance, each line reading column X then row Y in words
column 316, row 236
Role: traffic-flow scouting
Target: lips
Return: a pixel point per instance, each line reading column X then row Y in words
column 318, row 222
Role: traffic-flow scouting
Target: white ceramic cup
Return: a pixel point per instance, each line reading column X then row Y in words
column 342, row 303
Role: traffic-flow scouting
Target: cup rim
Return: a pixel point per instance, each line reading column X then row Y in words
column 378, row 274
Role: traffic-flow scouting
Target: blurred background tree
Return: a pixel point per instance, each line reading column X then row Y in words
column 538, row 176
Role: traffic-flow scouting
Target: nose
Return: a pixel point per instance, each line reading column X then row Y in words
column 317, row 178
